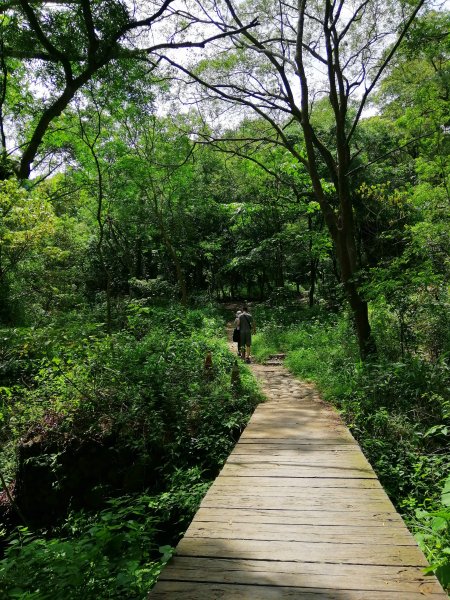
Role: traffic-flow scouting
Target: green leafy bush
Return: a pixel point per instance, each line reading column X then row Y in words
column 145, row 383
column 141, row 391
column 433, row 535
column 153, row 288
column 109, row 555
column 115, row 553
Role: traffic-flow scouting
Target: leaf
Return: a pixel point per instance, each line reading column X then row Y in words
column 439, row 524
column 166, row 552
column 443, row 574
column 437, row 430
column 16, row 593
column 420, row 513
column 445, row 496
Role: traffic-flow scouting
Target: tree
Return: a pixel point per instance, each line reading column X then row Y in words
column 154, row 211
column 26, row 220
column 412, row 280
column 58, row 47
column 416, row 96
column 336, row 52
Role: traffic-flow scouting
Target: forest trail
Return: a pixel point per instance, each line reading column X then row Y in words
column 296, row 512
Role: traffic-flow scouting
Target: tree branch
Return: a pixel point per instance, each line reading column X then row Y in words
column 419, row 137
column 201, row 44
column 51, row 49
column 383, row 67
column 90, row 29
column 242, row 101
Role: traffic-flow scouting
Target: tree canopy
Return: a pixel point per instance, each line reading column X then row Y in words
column 56, row 48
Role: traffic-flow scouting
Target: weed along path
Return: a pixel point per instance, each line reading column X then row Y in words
column 296, row 512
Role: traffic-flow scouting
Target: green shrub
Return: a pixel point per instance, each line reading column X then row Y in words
column 147, row 385
column 145, row 382
column 433, row 536
column 109, row 555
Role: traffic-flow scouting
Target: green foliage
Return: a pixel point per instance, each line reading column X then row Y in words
column 144, row 387
column 112, row 554
column 26, row 222
column 433, row 536
column 77, row 373
column 175, row 508
column 117, row 234
column 307, row 336
column 115, row 553
column 156, row 289
column 411, row 294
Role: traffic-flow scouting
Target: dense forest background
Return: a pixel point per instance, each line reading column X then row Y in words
column 158, row 162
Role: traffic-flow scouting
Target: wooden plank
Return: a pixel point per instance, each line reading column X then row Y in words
column 292, row 433
column 296, row 448
column 299, row 404
column 166, row 590
column 278, row 448
column 318, row 459
column 342, row 534
column 296, row 440
column 293, row 400
column 360, row 518
column 302, row 495
column 261, row 482
column 274, row 503
column 362, row 554
column 312, row 433
column 322, row 459
column 312, row 430
column 313, row 419
column 302, row 575
column 337, row 471
column 298, row 416
column 288, row 411
column 310, row 427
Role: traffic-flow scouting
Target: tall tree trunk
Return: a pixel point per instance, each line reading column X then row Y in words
column 99, row 216
column 312, row 281
column 360, row 312
column 139, row 264
column 313, row 264
column 347, row 263
column 279, row 274
column 165, row 235
column 176, row 262
column 340, row 223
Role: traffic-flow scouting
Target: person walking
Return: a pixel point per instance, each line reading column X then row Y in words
column 236, row 332
column 246, row 328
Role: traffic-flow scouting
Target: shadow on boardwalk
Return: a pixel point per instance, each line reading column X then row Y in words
column 221, row 574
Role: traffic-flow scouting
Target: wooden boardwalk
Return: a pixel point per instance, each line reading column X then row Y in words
column 296, row 512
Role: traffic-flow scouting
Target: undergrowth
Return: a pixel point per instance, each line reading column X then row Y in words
column 143, row 389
